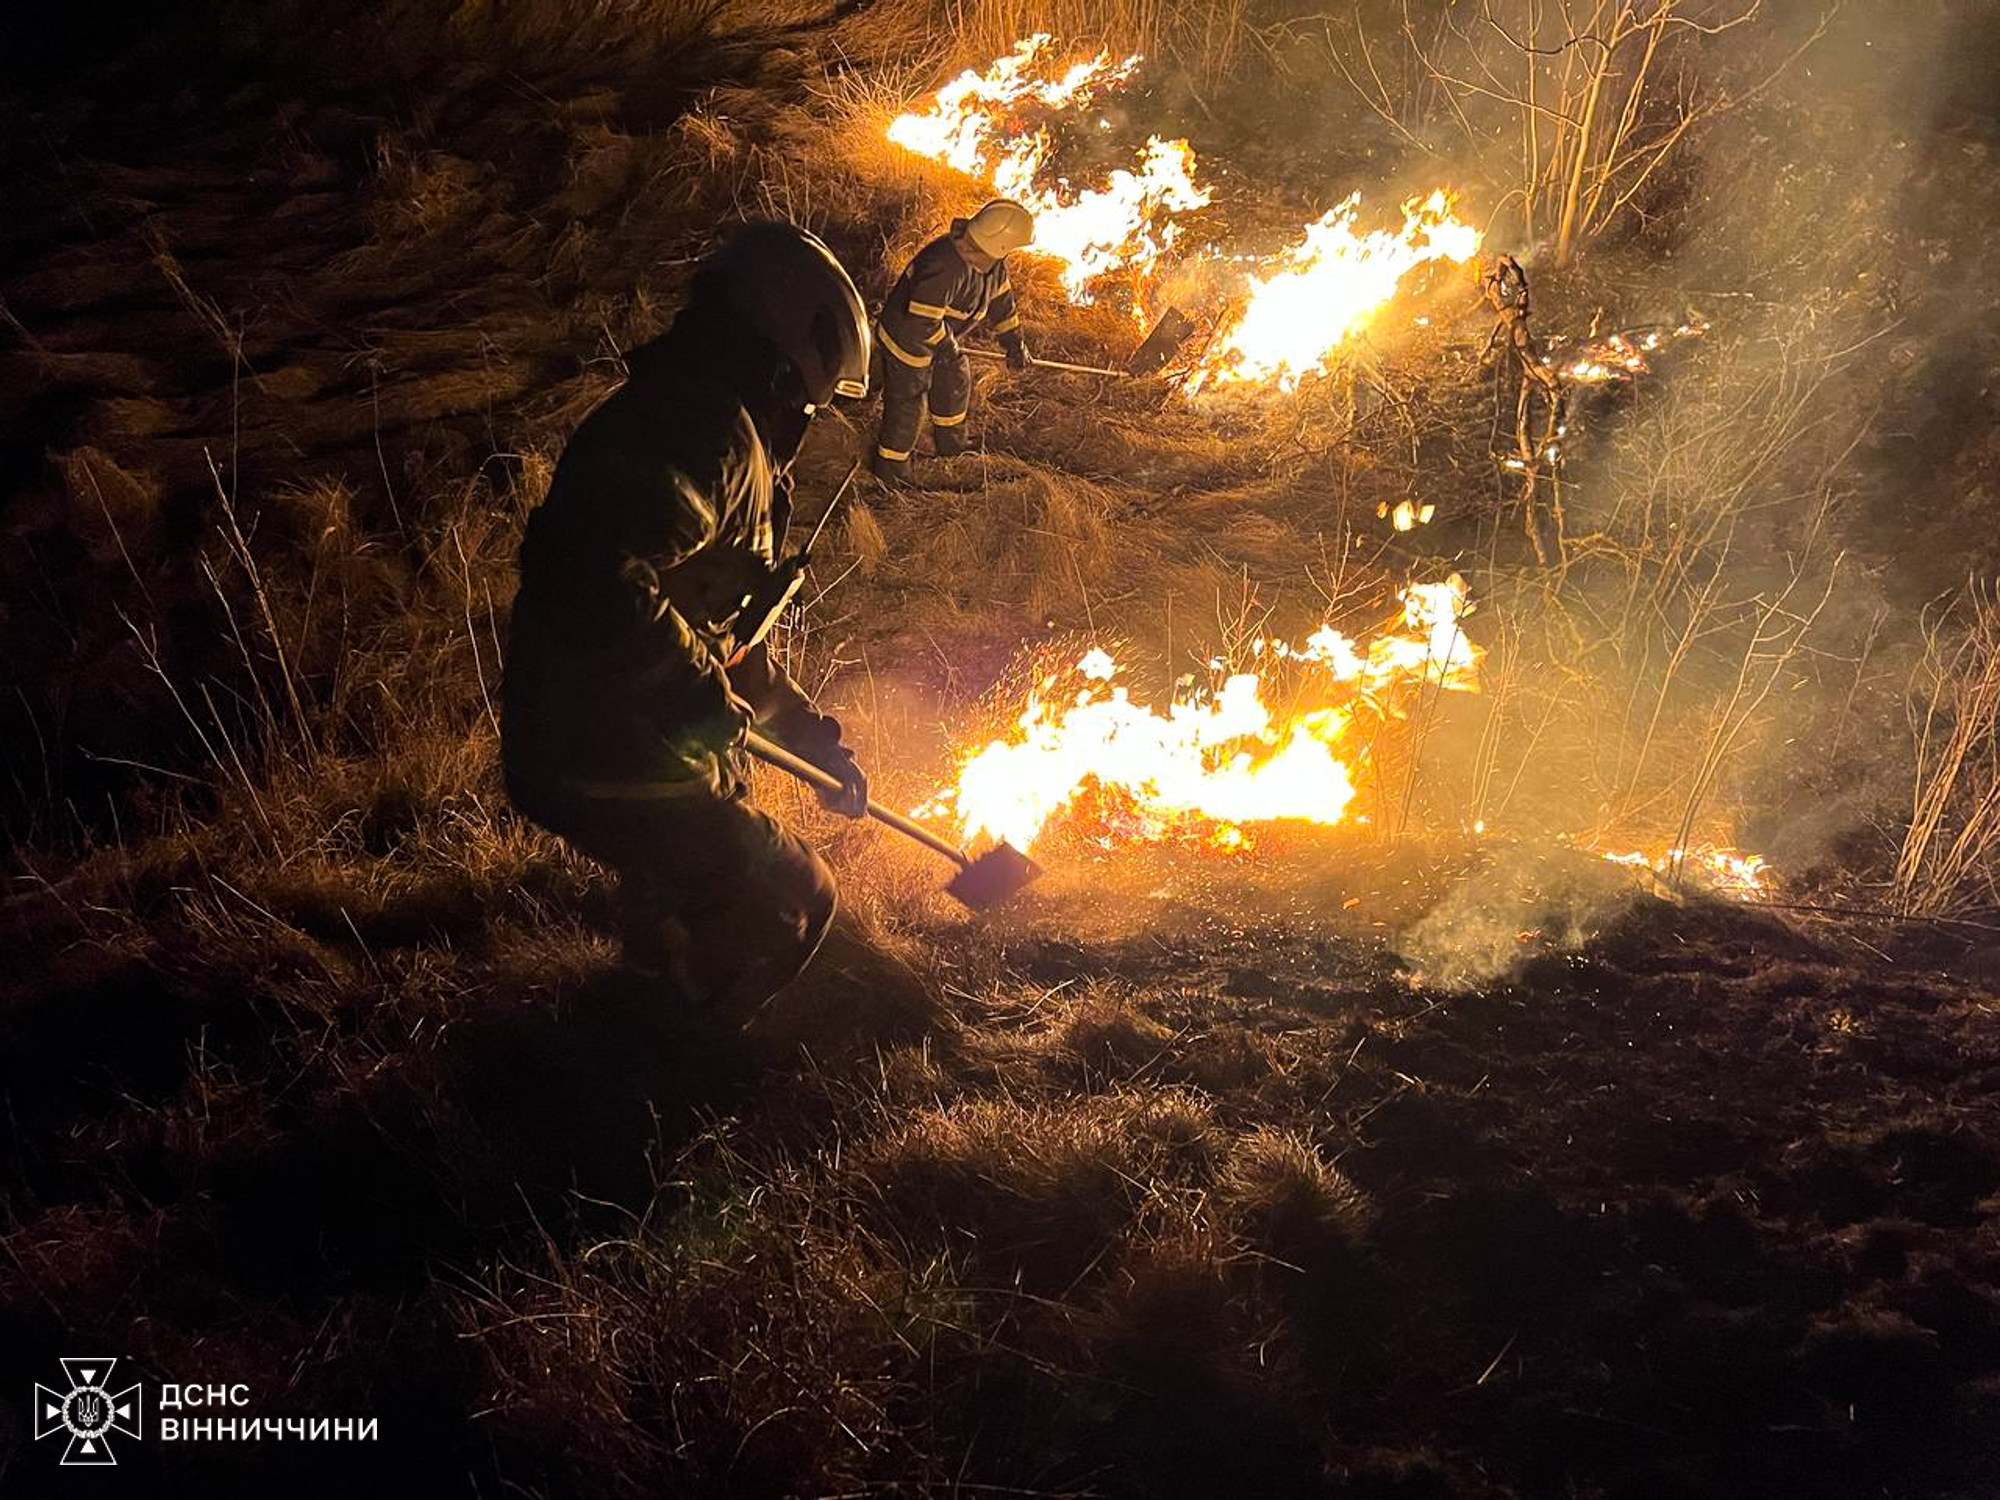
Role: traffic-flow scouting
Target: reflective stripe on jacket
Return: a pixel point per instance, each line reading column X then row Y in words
column 939, row 293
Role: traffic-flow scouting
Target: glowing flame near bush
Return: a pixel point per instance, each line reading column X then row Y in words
column 1620, row 356
column 1328, row 286
column 1218, row 760
column 975, row 125
column 1288, row 314
column 1727, row 872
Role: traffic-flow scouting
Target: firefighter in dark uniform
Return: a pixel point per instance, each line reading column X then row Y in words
column 636, row 660
column 955, row 283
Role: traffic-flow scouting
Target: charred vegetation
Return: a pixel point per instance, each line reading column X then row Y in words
column 1425, row 1155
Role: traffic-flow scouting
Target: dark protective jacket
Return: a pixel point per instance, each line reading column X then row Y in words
column 937, row 295
column 664, row 511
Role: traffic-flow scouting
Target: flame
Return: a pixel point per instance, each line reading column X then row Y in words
column 1282, row 317
column 1408, row 514
column 1328, row 287
column 1216, row 760
column 1726, row 871
column 976, row 125
column 1621, row 356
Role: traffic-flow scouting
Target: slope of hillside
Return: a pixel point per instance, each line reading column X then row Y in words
column 1365, row 1166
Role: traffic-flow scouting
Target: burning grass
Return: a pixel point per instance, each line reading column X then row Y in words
column 1202, row 1174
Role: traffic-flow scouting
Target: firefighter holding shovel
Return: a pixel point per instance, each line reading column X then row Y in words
column 956, row 283
column 649, row 576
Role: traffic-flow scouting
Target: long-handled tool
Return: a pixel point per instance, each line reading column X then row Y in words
column 769, row 596
column 991, row 878
column 1158, row 347
column 1051, row 364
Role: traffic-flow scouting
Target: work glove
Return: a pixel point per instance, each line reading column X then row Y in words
column 816, row 737
column 851, row 801
column 1017, row 352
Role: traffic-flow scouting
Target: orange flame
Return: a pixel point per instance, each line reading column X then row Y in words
column 1726, row 871
column 1287, row 314
column 974, row 124
column 1218, row 760
column 1620, row 356
column 1328, row 287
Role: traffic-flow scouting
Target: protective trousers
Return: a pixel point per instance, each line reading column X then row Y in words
column 712, row 893
column 944, row 385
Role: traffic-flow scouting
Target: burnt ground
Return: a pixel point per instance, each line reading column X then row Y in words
column 1705, row 1208
column 1187, row 1190
column 1185, row 1176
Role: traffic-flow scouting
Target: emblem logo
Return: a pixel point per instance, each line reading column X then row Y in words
column 89, row 1412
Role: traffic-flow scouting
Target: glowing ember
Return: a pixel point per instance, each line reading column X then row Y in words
column 1328, row 286
column 1620, row 356
column 1214, row 761
column 1728, row 872
column 976, row 124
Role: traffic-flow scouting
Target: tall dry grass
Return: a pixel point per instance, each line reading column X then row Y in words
column 1950, row 855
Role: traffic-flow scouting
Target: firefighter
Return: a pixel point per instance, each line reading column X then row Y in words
column 637, row 660
column 955, row 283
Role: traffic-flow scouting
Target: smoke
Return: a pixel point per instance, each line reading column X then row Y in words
column 1751, row 534
column 1525, row 903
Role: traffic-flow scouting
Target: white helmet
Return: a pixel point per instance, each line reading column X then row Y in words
column 1001, row 226
column 787, row 285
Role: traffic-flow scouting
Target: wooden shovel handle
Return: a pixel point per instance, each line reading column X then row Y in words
column 773, row 754
column 1048, row 364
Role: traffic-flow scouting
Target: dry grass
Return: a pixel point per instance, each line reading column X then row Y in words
column 1950, row 856
column 1285, row 1195
column 956, row 1207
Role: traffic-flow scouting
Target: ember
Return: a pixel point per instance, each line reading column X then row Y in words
column 1728, row 872
column 1620, row 356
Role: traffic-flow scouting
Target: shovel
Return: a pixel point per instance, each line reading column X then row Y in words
column 986, row 881
column 1154, row 351
column 1052, row 364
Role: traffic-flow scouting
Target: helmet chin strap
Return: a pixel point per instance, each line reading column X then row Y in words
column 770, row 388
column 784, row 417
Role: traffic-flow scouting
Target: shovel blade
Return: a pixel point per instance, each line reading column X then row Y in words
column 1000, row 872
column 1162, row 344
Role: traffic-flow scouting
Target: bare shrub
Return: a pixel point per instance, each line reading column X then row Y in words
column 1636, row 676
column 1569, row 110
